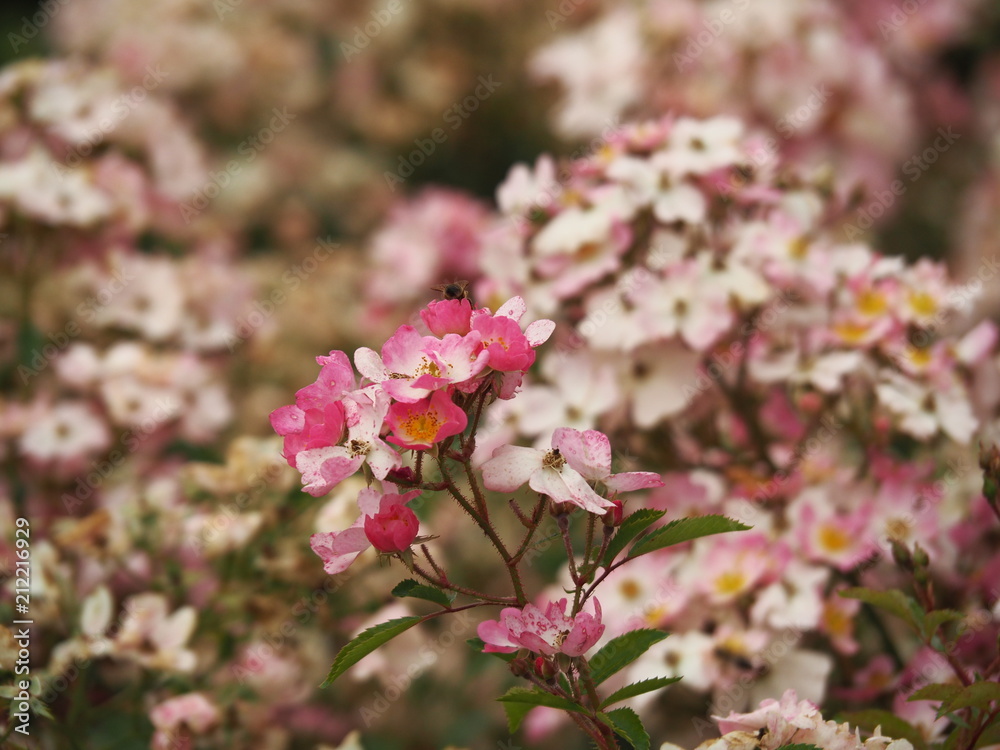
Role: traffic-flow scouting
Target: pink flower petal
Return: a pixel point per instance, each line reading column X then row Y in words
column 511, row 467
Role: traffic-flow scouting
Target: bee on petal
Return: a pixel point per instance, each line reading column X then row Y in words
column 454, row 290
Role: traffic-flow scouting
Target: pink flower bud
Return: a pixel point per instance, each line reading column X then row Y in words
column 392, row 529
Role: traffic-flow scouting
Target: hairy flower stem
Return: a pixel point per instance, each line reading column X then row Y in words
column 443, row 583
column 485, row 525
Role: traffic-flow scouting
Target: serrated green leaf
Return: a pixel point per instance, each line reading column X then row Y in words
column 938, row 691
column 892, row 601
column 409, row 587
column 937, row 618
column 627, row 724
column 639, row 688
column 479, row 645
column 619, row 652
column 892, row 725
column 515, row 715
column 628, row 530
column 367, row 642
column 534, row 697
column 978, row 694
column 684, row 530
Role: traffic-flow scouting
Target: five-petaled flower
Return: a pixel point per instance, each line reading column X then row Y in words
column 564, row 473
column 545, row 632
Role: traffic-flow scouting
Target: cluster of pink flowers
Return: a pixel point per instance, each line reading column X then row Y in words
column 705, row 302
column 413, row 395
column 776, row 724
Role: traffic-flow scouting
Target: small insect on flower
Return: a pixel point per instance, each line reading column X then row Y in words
column 454, row 290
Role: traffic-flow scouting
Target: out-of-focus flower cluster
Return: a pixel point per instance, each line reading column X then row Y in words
column 721, row 316
column 722, row 325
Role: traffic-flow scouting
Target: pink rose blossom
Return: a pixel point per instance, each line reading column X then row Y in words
column 549, row 632
column 419, row 426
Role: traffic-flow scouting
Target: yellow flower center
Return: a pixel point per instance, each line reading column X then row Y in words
column 837, row 622
column 923, row 303
column 872, row 303
column 798, row 248
column 421, row 427
column 630, row 589
column 897, row 528
column 851, row 332
column 833, row 539
column 731, row 582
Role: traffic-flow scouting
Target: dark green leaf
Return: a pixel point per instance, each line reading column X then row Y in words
column 893, row 601
column 684, row 530
column 638, row 688
column 892, row 725
column 937, row 691
column 409, row 587
column 627, row 724
column 515, row 714
column 619, row 652
column 367, row 642
column 628, row 530
column 937, row 618
column 978, row 694
column 478, row 645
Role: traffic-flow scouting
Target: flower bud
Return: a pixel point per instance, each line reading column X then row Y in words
column 393, row 529
column 519, row 667
column 615, row 515
column 901, row 555
column 545, row 668
column 402, row 475
column 920, row 558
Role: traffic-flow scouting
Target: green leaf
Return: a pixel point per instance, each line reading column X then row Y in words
column 518, row 701
column 515, row 714
column 937, row 618
column 619, row 652
column 684, row 530
column 478, row 645
column 639, row 688
column 978, row 694
column 627, row 724
column 409, row 587
column 892, row 725
column 893, row 601
column 628, row 530
column 367, row 642
column 937, row 691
